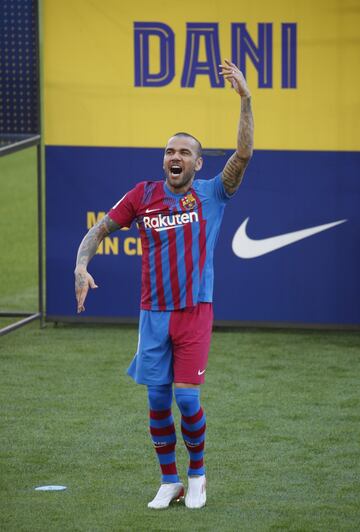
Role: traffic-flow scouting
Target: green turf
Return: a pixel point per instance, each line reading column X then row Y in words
column 18, row 235
column 283, row 413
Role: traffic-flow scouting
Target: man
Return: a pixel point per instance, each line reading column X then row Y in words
column 179, row 222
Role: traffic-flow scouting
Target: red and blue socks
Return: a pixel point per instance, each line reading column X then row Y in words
column 193, row 427
column 162, row 430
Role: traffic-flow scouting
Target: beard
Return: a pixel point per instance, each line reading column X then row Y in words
column 180, row 180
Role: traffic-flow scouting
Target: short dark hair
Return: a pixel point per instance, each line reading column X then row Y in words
column 184, row 134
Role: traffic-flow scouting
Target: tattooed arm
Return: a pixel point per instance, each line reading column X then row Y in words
column 87, row 249
column 235, row 167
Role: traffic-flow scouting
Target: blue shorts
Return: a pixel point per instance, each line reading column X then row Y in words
column 173, row 345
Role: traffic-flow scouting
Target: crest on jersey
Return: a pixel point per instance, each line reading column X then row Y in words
column 188, row 202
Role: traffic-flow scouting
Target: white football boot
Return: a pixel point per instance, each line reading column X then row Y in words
column 166, row 494
column 196, row 492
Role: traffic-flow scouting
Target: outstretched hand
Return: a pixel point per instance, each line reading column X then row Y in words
column 83, row 281
column 235, row 77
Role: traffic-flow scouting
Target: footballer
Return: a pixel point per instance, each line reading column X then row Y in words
column 179, row 220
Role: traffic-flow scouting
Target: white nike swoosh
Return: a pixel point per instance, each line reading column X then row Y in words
column 247, row 248
column 152, row 210
column 201, row 372
column 166, row 228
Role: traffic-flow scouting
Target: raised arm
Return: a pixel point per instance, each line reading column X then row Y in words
column 235, row 167
column 86, row 251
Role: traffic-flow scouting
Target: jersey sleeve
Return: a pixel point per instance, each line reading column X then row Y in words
column 125, row 210
column 219, row 190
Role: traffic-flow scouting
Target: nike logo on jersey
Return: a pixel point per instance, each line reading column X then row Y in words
column 151, row 210
column 201, row 372
column 247, row 248
column 163, row 222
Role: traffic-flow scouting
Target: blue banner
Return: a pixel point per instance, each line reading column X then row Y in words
column 288, row 249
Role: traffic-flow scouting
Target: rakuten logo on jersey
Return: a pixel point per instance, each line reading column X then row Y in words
column 163, row 222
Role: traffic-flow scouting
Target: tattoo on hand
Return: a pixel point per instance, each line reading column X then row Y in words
column 80, row 281
column 235, row 167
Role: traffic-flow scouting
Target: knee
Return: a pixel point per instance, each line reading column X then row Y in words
column 160, row 396
column 188, row 400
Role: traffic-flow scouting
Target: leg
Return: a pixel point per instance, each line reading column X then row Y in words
column 163, row 435
column 152, row 365
column 162, row 430
column 193, row 427
column 190, row 331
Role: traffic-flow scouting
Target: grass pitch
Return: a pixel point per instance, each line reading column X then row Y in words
column 18, row 235
column 283, row 412
column 282, row 447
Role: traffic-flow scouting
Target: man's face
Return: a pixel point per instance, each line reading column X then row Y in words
column 181, row 161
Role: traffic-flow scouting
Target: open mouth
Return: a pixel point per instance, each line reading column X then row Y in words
column 175, row 170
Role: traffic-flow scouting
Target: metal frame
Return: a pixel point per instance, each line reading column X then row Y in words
column 14, row 143
column 27, row 317
column 18, row 142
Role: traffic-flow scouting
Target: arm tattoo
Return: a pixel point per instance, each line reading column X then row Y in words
column 235, row 167
column 93, row 239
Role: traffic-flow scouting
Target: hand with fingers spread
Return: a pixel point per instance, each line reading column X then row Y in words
column 83, row 281
column 235, row 77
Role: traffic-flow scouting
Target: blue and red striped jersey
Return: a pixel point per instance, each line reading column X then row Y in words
column 178, row 236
